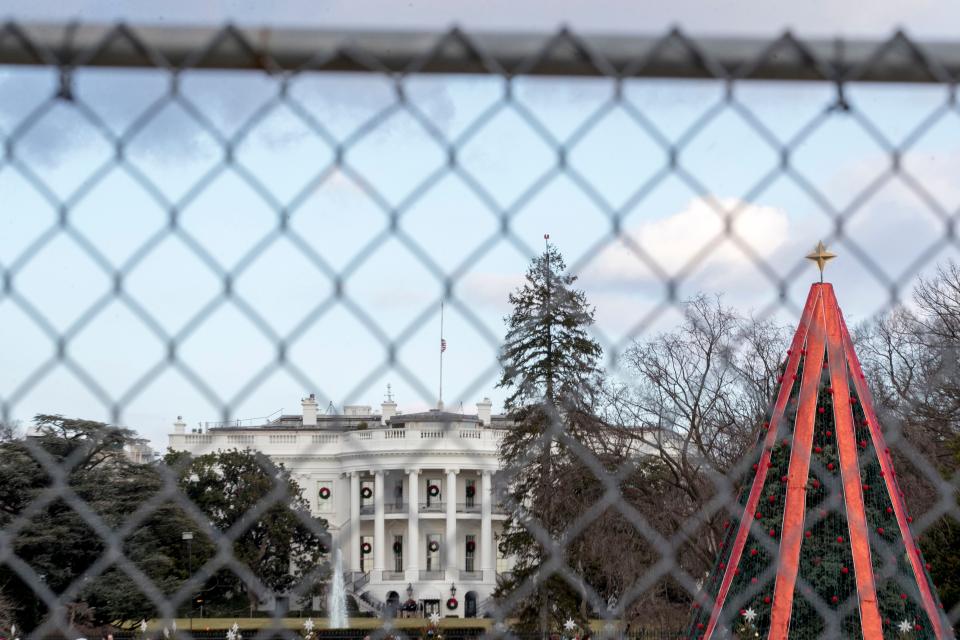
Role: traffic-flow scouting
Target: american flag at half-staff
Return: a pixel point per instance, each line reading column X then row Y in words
column 443, row 347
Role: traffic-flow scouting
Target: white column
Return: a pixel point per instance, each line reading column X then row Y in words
column 450, row 540
column 378, row 528
column 354, row 521
column 412, row 545
column 487, row 559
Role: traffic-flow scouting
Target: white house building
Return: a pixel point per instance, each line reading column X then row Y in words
column 409, row 498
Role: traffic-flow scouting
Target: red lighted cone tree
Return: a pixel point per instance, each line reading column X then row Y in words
column 822, row 545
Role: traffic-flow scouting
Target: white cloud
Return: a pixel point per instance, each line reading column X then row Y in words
column 672, row 242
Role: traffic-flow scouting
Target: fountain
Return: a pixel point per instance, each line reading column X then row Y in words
column 337, row 600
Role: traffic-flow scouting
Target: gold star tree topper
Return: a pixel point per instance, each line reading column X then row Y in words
column 821, row 256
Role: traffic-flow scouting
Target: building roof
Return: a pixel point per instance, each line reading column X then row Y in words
column 433, row 415
column 354, row 422
column 295, row 421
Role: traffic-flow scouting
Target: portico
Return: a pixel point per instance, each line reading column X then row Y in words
column 456, row 517
column 409, row 498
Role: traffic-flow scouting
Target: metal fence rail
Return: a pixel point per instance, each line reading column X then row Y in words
column 566, row 53
column 400, row 59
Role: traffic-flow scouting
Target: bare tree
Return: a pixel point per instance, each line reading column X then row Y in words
column 9, row 430
column 911, row 357
column 701, row 393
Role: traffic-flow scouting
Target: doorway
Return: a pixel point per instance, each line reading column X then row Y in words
column 393, row 604
column 431, row 607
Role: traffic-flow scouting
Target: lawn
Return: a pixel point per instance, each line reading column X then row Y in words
column 212, row 624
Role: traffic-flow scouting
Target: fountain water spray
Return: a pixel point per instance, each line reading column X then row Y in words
column 337, row 600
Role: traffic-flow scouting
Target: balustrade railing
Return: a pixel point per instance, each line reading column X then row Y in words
column 222, row 437
column 430, row 574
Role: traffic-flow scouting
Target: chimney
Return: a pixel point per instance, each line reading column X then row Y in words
column 388, row 409
column 309, row 405
column 179, row 426
column 483, row 411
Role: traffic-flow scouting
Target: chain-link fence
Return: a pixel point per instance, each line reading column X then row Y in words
column 186, row 211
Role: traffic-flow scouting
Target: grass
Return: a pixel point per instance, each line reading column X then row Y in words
column 214, row 624
column 222, row 624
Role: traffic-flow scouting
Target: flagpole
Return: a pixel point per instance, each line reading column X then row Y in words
column 440, row 403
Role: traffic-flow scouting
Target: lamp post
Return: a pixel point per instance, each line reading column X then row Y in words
column 407, row 613
column 187, row 536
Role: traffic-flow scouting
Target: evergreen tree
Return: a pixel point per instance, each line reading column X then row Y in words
column 60, row 545
column 550, row 371
column 548, row 357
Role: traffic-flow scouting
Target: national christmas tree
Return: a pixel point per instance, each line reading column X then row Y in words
column 822, row 546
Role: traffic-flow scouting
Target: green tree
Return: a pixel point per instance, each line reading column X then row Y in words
column 249, row 498
column 548, row 356
column 551, row 373
column 279, row 544
column 60, row 545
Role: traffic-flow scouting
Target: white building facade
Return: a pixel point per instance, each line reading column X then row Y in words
column 409, row 498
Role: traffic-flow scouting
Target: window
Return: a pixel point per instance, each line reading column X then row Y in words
column 366, row 553
column 434, row 486
column 366, row 493
column 431, row 607
column 398, row 492
column 470, row 548
column 470, row 493
column 503, row 564
column 398, row 553
column 325, row 496
column 433, row 552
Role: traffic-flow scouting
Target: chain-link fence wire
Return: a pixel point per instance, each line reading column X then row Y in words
column 285, row 59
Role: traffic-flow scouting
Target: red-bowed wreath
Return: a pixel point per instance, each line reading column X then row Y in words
column 324, row 493
column 434, row 545
column 365, row 548
column 471, row 491
column 452, row 604
column 471, row 546
column 366, row 493
column 433, row 491
column 397, row 547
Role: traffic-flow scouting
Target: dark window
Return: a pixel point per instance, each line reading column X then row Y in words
column 398, row 553
column 471, row 493
column 470, row 551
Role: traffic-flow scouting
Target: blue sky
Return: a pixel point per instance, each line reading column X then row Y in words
column 337, row 349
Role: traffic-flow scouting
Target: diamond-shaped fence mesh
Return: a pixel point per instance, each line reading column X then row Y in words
column 201, row 221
